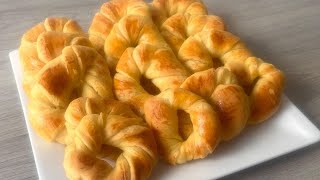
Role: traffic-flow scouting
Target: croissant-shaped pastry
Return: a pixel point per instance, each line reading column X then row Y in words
column 220, row 88
column 79, row 71
column 94, row 126
column 33, row 51
column 109, row 15
column 177, row 142
column 164, row 9
column 145, row 71
column 262, row 81
column 179, row 19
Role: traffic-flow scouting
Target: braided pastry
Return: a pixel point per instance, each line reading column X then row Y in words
column 110, row 14
column 219, row 87
column 33, row 52
column 79, row 71
column 96, row 126
column 179, row 19
column 178, row 142
column 261, row 81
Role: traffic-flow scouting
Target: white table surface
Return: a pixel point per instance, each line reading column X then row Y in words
column 285, row 32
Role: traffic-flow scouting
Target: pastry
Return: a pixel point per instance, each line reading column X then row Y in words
column 145, row 71
column 220, row 88
column 94, row 126
column 109, row 15
column 262, row 81
column 177, row 143
column 32, row 52
column 179, row 19
column 79, row 71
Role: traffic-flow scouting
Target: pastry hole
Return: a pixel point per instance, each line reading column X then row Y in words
column 110, row 154
column 148, row 85
column 216, row 62
column 185, row 125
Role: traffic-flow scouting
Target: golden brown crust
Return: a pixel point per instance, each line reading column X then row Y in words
column 34, row 51
column 78, row 72
column 261, row 81
column 161, row 115
column 109, row 15
column 110, row 123
column 220, row 88
column 164, row 9
column 143, row 54
column 177, row 20
column 157, row 65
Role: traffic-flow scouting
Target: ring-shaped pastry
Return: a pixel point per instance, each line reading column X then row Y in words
column 177, row 144
column 96, row 125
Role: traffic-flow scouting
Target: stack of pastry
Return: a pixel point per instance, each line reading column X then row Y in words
column 163, row 79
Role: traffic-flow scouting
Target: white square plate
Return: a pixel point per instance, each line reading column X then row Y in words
column 287, row 131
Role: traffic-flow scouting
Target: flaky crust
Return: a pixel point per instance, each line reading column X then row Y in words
column 78, row 72
column 200, row 43
column 94, row 126
column 159, row 66
column 220, row 88
column 263, row 82
column 161, row 115
column 32, row 51
column 109, row 15
column 179, row 19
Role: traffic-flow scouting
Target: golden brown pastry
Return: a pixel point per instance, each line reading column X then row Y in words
column 145, row 71
column 79, row 71
column 177, row 142
column 262, row 81
column 162, row 10
column 110, row 126
column 32, row 51
column 109, row 15
column 179, row 19
column 220, row 88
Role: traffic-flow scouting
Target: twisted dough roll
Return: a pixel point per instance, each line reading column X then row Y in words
column 179, row 19
column 110, row 14
column 262, row 81
column 33, row 50
column 177, row 142
column 220, row 88
column 78, row 72
column 95, row 126
column 145, row 71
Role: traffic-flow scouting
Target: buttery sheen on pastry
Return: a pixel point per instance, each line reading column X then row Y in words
column 179, row 19
column 107, row 129
column 109, row 15
column 177, row 67
column 78, row 72
column 69, row 68
column 220, row 88
column 200, row 43
column 35, row 53
column 178, row 141
column 262, row 81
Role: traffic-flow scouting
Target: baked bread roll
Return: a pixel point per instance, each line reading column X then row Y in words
column 220, row 88
column 109, row 15
column 79, row 71
column 261, row 81
column 96, row 126
column 177, row 142
column 32, row 50
column 145, row 71
column 179, row 19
